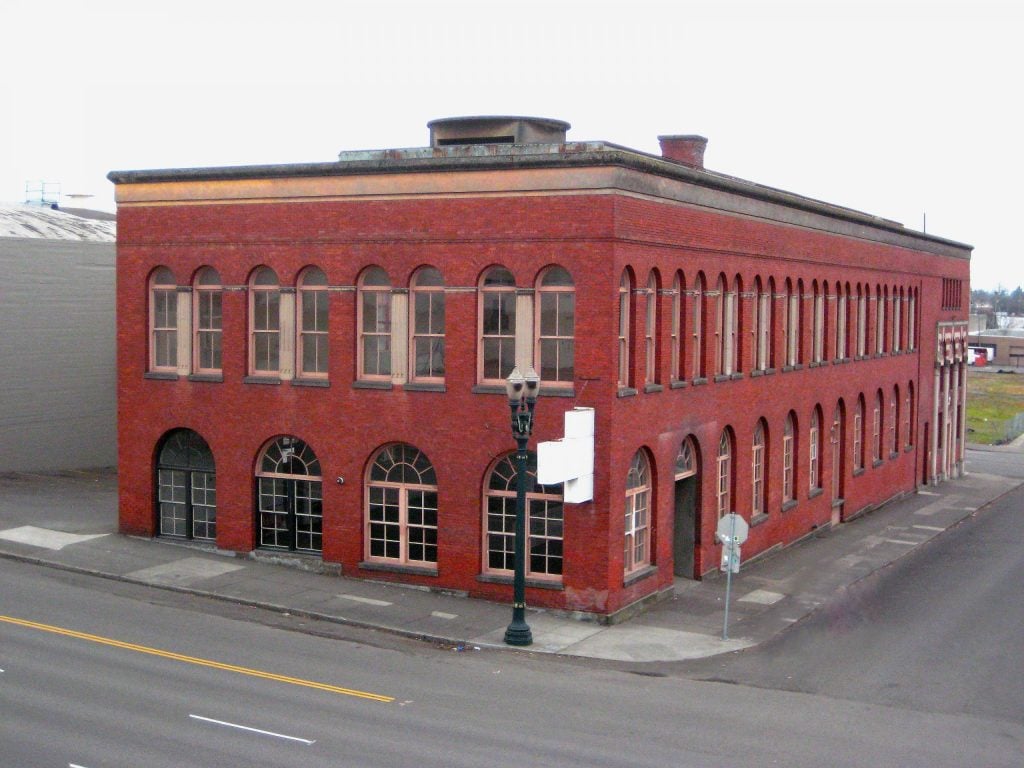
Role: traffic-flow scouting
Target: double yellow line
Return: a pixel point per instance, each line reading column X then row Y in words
column 195, row 660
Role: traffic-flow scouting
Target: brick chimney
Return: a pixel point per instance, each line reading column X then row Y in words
column 688, row 150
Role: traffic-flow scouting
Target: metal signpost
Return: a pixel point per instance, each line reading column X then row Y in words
column 732, row 531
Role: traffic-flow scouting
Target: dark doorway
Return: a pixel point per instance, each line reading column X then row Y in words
column 685, row 539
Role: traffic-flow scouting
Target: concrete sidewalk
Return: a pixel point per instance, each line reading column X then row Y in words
column 69, row 521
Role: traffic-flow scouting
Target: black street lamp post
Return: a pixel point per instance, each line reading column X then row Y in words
column 522, row 397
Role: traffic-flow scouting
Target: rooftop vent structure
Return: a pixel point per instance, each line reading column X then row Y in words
column 685, row 149
column 453, row 131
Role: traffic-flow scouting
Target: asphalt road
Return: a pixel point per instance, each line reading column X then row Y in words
column 939, row 631
column 100, row 674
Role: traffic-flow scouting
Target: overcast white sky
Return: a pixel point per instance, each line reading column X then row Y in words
column 901, row 109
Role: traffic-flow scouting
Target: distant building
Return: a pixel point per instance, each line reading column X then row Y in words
column 312, row 358
column 57, row 381
column 1003, row 346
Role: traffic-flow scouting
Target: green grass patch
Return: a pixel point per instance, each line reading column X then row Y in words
column 993, row 402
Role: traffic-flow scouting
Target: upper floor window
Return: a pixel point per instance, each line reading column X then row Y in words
column 427, row 306
column 862, row 320
column 313, row 324
column 651, row 331
column 401, row 507
column 879, row 321
column 163, row 321
column 264, row 322
column 625, row 310
column 556, row 326
column 912, row 319
column 818, row 323
column 374, row 321
column 207, row 295
column 842, row 312
column 757, row 460
column 763, row 340
column 637, row 552
column 497, row 325
column 791, row 330
column 697, row 327
column 544, row 521
column 678, row 287
column 897, row 319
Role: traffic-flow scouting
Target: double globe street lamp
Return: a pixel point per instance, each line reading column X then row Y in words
column 522, row 398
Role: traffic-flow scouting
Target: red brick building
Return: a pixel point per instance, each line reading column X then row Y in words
column 311, row 359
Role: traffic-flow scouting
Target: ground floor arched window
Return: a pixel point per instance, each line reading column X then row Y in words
column 186, row 487
column 290, row 497
column 401, row 508
column 544, row 521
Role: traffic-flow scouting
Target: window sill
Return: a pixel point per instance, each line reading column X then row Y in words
column 736, row 376
column 553, row 391
column 698, row 382
column 788, row 505
column 411, row 570
column 838, row 503
column 640, row 575
column 423, row 386
column 908, row 448
column 260, row 380
column 721, row 377
column 648, row 388
column 876, row 463
column 489, row 389
column 499, row 578
column 626, row 392
column 160, row 376
column 755, row 374
column 769, row 371
column 679, row 384
column 369, row 384
column 310, row 383
column 815, row 493
column 858, row 472
column 215, row 378
column 759, row 519
column 893, row 455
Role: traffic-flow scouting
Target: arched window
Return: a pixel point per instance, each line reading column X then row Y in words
column 758, row 489
column 556, row 327
column 625, row 312
column 912, row 320
column 678, row 288
column 791, row 323
column 789, row 459
column 637, row 553
column 401, row 507
column 290, row 496
column 814, row 450
column 817, row 323
column 894, row 421
column 724, row 494
column 876, row 428
column 163, row 321
column 697, row 327
column 543, row 524
column 897, row 320
column 312, row 324
column 862, row 319
column 879, row 321
column 686, row 460
column 910, row 414
column 842, row 311
column 186, row 483
column 374, row 321
column 734, row 307
column 427, row 326
column 763, row 341
column 858, row 434
column 721, row 326
column 651, row 330
column 264, row 323
column 497, row 326
column 207, row 296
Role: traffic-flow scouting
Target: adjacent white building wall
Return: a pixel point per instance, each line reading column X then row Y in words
column 57, row 354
